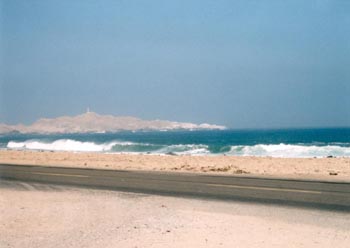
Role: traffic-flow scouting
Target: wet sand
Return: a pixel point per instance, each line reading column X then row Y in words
column 308, row 168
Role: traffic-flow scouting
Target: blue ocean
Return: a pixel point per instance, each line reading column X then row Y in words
column 265, row 142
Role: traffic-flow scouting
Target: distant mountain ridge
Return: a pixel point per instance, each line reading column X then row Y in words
column 93, row 122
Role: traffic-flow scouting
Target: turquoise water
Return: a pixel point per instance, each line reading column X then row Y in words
column 276, row 143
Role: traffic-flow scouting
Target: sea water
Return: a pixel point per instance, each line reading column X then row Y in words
column 275, row 143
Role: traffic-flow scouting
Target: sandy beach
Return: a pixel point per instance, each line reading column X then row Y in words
column 313, row 168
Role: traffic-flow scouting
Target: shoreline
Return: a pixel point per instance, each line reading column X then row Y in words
column 298, row 168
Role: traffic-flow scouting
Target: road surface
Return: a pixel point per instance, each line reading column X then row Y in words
column 309, row 192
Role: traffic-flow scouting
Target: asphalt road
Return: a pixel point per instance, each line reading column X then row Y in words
column 274, row 190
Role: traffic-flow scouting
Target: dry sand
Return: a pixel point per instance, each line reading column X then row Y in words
column 34, row 215
column 313, row 168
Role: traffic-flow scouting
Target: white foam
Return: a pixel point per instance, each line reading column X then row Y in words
column 291, row 151
column 64, row 145
column 280, row 150
column 184, row 149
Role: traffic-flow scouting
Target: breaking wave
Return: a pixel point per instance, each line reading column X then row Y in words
column 111, row 147
column 61, row 145
column 272, row 150
column 290, row 151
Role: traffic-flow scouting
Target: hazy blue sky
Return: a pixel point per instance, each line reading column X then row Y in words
column 237, row 63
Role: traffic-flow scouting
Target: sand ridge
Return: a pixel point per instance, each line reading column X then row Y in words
column 324, row 168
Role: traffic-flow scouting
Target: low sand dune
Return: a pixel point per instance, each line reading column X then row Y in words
column 323, row 168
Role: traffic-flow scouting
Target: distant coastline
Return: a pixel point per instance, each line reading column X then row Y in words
column 91, row 122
